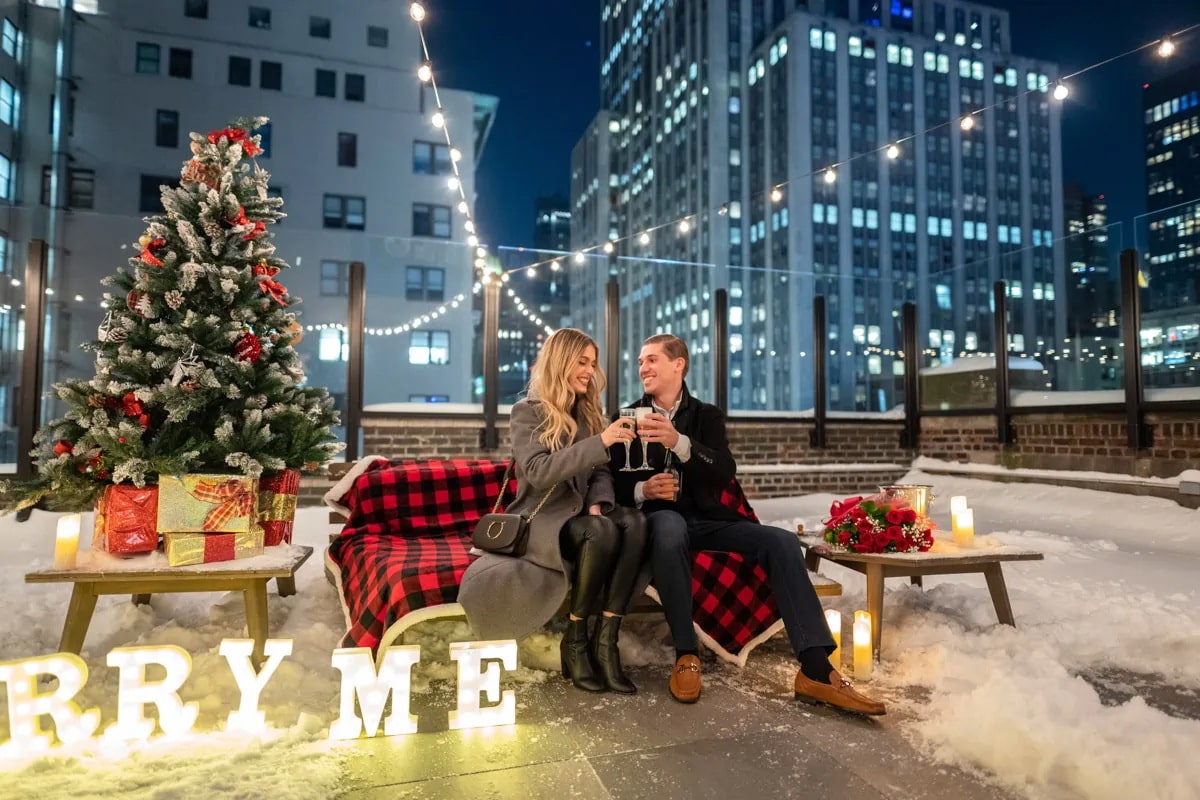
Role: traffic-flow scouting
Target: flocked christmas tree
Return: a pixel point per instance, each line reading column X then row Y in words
column 195, row 366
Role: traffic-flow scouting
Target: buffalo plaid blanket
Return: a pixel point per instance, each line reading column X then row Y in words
column 407, row 544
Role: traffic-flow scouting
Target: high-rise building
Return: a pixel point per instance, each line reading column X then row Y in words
column 593, row 220
column 350, row 147
column 1092, row 286
column 1172, row 114
column 866, row 152
column 552, row 223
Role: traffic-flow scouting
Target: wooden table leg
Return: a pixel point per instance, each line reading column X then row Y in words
column 916, row 580
column 875, row 605
column 811, row 559
column 286, row 586
column 140, row 599
column 255, row 599
column 79, row 616
column 999, row 592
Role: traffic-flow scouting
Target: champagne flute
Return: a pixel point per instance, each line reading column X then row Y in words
column 631, row 415
column 641, row 413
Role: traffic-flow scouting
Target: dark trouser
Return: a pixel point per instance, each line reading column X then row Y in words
column 778, row 552
column 607, row 552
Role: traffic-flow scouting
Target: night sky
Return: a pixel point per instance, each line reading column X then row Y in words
column 541, row 58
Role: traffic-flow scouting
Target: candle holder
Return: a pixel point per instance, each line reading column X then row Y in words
column 66, row 541
column 864, row 661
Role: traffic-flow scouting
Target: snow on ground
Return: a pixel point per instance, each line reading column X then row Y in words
column 1117, row 591
column 1115, row 596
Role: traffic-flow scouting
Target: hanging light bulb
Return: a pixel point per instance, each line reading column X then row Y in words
column 830, row 175
column 438, row 119
column 480, row 252
column 425, row 72
column 579, row 259
column 531, row 272
column 608, row 247
column 455, row 155
column 967, row 122
column 1166, row 48
column 1061, row 91
column 893, row 151
column 776, row 195
column 644, row 239
column 486, row 278
column 473, row 240
column 504, row 277
column 462, row 206
column 417, row 11
column 453, row 182
column 481, row 263
column 684, row 226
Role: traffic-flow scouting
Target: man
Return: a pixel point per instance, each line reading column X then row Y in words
column 687, row 514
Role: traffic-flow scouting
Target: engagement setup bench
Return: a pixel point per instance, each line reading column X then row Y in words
column 405, row 544
column 99, row 574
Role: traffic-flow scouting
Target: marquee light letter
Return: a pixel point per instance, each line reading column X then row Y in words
column 237, row 652
column 359, row 678
column 473, row 679
column 134, row 692
column 26, row 705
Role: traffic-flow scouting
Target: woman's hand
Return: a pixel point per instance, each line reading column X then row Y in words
column 619, row 431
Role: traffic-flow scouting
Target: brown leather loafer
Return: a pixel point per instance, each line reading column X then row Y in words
column 685, row 679
column 839, row 694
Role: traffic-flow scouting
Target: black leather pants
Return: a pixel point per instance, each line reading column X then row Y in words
column 607, row 552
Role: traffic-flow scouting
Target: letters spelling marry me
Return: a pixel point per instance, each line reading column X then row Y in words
column 28, row 703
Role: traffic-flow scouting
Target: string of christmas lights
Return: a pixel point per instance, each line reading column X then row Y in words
column 1164, row 46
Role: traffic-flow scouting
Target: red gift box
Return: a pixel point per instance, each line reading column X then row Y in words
column 277, row 496
column 126, row 520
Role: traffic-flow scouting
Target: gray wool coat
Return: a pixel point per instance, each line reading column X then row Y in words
column 506, row 597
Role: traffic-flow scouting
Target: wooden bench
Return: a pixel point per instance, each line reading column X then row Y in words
column 947, row 560
column 99, row 573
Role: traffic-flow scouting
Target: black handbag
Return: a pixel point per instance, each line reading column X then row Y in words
column 505, row 534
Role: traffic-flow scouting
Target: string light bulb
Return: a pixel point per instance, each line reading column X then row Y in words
column 967, row 122
column 893, row 151
column 417, row 12
column 469, row 226
column 481, row 252
column 473, row 240
column 425, row 72
column 1061, row 91
column 830, row 175
column 556, row 265
column 531, row 272
column 644, row 239
column 453, row 183
column 776, row 195
column 608, row 247
column 438, row 119
column 579, row 259
column 1166, row 48
column 462, row 206
column 455, row 155
column 684, row 226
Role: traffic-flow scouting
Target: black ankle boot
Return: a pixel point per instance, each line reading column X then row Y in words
column 608, row 658
column 577, row 657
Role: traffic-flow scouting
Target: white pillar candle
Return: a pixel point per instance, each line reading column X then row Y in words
column 863, row 660
column 833, row 619
column 957, row 503
column 66, row 542
column 964, row 528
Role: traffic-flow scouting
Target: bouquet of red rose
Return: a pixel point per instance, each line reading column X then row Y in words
column 877, row 524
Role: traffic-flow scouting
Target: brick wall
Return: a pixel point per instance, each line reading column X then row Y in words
column 1077, row 442
column 1089, row 442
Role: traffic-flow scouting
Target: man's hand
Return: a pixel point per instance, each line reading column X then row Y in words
column 661, row 486
column 657, row 428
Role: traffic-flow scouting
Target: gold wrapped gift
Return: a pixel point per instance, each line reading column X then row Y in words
column 203, row 548
column 206, row 503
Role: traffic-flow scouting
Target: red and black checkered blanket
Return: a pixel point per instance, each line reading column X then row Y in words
column 407, row 544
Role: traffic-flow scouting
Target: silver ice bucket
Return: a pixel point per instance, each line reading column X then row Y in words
column 918, row 496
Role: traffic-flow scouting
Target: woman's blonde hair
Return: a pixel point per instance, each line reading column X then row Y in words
column 549, row 383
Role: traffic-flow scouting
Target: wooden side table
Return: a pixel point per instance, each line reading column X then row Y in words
column 879, row 566
column 99, row 573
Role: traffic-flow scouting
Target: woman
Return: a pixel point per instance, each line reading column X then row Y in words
column 578, row 537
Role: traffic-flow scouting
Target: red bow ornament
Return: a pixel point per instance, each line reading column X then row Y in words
column 131, row 406
column 150, row 255
column 232, row 500
column 271, row 287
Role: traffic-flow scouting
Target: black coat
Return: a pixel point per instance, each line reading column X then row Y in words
column 706, row 474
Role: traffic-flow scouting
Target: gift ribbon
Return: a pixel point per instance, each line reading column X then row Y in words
column 232, row 497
